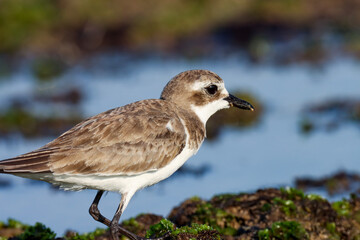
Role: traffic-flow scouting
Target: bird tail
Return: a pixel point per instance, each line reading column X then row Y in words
column 33, row 162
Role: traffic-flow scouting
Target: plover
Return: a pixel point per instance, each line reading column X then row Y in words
column 131, row 147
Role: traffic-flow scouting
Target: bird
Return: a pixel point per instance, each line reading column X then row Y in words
column 131, row 147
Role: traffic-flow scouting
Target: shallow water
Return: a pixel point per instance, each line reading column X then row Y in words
column 270, row 154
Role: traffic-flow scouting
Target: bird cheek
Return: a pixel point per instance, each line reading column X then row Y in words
column 223, row 104
column 227, row 104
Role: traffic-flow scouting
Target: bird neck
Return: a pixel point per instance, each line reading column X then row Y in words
column 194, row 125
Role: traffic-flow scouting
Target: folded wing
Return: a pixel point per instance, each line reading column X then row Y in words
column 146, row 138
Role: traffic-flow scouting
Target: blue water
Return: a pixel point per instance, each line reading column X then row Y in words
column 270, row 154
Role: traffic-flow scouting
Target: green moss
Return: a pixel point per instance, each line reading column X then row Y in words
column 160, row 229
column 193, row 229
column 228, row 231
column 342, row 208
column 217, row 218
column 297, row 194
column 331, row 228
column 266, row 207
column 12, row 223
column 37, row 232
column 131, row 222
column 88, row 236
column 286, row 230
column 133, row 225
column 287, row 206
column 264, row 234
column 315, row 197
column 165, row 226
column 292, row 193
column 195, row 198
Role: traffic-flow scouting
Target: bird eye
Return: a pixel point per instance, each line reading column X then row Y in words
column 211, row 89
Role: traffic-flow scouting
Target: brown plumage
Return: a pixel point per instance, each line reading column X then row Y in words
column 114, row 142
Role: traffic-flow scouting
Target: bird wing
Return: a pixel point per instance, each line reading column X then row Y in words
column 128, row 140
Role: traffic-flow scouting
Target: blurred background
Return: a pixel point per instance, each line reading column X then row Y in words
column 296, row 61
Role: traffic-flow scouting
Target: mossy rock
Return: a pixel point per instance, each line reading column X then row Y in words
column 285, row 213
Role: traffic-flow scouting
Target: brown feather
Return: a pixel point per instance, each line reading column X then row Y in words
column 34, row 164
column 125, row 140
column 33, row 168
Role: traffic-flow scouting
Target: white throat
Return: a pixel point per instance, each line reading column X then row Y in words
column 206, row 111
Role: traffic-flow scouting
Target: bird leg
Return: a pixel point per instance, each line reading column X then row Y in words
column 115, row 228
column 94, row 211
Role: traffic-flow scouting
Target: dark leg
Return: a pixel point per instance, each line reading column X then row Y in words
column 115, row 229
column 94, row 211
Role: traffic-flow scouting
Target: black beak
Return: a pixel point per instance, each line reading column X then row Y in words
column 239, row 103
